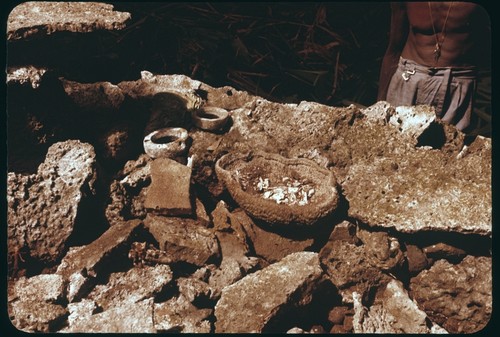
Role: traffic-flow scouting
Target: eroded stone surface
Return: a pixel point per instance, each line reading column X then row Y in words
column 184, row 239
column 43, row 207
column 37, row 304
column 457, row 297
column 247, row 305
column 82, row 265
column 392, row 312
column 349, row 267
column 178, row 315
column 139, row 319
column 132, row 286
column 44, row 18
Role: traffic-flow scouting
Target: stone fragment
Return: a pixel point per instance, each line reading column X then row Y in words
column 169, row 192
column 457, row 297
column 79, row 312
column 230, row 271
column 270, row 244
column 28, row 74
column 413, row 120
column 103, row 96
column 44, row 18
column 348, row 267
column 128, row 317
column 178, row 315
column 127, row 194
column 184, row 239
column 132, row 286
column 230, row 232
column 417, row 261
column 444, row 251
column 345, row 231
column 395, row 185
column 82, row 265
column 382, row 250
column 392, row 312
column 164, row 88
column 249, row 304
column 337, row 315
column 36, row 304
column 43, row 208
column 193, row 289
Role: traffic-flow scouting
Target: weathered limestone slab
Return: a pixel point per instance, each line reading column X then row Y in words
column 43, row 207
column 392, row 312
column 82, row 264
column 127, row 194
column 93, row 257
column 43, row 18
column 24, row 75
column 128, row 317
column 132, row 286
column 36, row 303
column 457, row 297
column 169, row 192
column 184, row 239
column 352, row 266
column 272, row 246
column 179, row 315
column 150, row 86
column 249, row 304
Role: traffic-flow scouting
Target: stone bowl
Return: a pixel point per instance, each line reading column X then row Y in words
column 278, row 190
column 210, row 118
column 166, row 143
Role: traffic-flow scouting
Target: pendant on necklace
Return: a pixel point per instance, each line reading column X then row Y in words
column 437, row 52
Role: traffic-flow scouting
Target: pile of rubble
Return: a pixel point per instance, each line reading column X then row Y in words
column 104, row 238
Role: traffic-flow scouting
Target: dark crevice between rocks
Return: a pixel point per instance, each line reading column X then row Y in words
column 324, row 298
column 118, row 260
column 434, row 136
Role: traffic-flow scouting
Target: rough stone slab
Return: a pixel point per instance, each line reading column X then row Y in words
column 94, row 96
column 132, row 286
column 94, row 257
column 349, row 267
column 393, row 184
column 25, row 75
column 79, row 312
column 249, row 304
column 457, row 297
column 150, row 86
column 382, row 251
column 184, row 239
column 169, row 192
column 392, row 312
column 42, row 208
column 44, row 18
column 424, row 192
column 272, row 246
column 35, row 305
column 178, row 315
column 127, row 194
column 129, row 317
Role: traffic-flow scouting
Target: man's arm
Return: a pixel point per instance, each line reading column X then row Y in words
column 397, row 39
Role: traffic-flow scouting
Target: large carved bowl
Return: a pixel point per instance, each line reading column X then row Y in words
column 278, row 190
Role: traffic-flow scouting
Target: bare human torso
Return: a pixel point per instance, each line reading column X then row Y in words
column 452, row 28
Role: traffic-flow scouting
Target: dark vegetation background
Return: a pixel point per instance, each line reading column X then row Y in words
column 286, row 51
